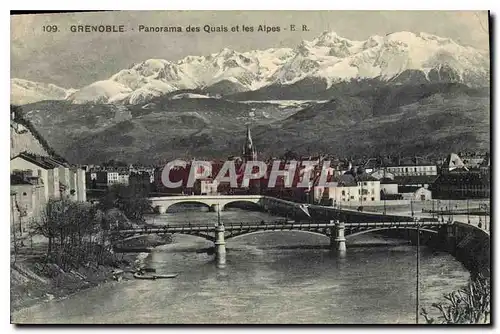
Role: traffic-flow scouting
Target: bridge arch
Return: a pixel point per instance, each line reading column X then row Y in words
column 198, row 234
column 371, row 230
column 237, row 203
column 169, row 208
column 237, row 235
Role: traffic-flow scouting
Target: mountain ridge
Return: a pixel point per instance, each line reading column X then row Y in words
column 400, row 57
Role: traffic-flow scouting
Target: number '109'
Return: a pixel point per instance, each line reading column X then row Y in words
column 52, row 28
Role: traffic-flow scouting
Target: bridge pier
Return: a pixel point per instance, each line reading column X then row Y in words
column 220, row 246
column 161, row 209
column 337, row 239
column 215, row 208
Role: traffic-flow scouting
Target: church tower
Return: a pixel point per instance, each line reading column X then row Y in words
column 249, row 152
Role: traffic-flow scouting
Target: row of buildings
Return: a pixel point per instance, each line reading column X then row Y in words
column 372, row 181
column 38, row 175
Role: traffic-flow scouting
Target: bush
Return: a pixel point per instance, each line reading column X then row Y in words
column 469, row 305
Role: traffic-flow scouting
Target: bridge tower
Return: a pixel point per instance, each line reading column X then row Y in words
column 220, row 246
column 337, row 238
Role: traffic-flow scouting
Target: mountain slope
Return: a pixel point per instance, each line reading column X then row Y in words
column 410, row 119
column 25, row 91
column 165, row 127
column 421, row 119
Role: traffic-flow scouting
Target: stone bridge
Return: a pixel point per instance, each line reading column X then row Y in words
column 299, row 211
column 213, row 202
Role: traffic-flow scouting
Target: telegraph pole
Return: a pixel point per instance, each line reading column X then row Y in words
column 486, row 218
column 13, row 229
column 468, row 219
column 418, row 273
column 433, row 213
column 385, row 209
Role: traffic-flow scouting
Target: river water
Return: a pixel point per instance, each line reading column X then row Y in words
column 267, row 280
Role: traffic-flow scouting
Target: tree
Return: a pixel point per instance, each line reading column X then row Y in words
column 72, row 230
column 290, row 155
column 130, row 200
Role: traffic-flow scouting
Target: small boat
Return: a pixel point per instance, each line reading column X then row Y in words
column 140, row 276
column 153, row 277
column 166, row 276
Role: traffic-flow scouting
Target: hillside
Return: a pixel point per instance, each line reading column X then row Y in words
column 164, row 128
column 427, row 119
column 24, row 137
column 411, row 119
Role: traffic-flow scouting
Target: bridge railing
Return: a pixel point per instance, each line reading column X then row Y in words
column 272, row 226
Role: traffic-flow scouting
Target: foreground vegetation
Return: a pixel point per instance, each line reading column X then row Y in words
column 77, row 251
column 469, row 305
column 78, row 233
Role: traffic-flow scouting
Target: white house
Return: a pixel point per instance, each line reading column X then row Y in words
column 206, row 186
column 421, row 194
column 359, row 189
column 123, row 178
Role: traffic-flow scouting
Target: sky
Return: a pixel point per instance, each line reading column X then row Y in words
column 73, row 60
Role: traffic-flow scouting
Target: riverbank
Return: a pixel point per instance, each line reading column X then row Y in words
column 34, row 281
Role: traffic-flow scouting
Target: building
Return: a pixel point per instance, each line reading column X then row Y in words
column 123, row 178
column 108, row 177
column 417, row 181
column 27, row 200
column 462, row 184
column 421, row 194
column 111, row 177
column 59, row 179
column 412, row 170
column 206, row 186
column 453, row 162
column 140, row 183
column 38, row 173
column 382, row 174
column 354, row 188
column 388, row 187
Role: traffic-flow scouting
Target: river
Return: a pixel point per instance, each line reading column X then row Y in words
column 267, row 280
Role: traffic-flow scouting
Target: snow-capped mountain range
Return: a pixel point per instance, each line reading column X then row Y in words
column 25, row 91
column 329, row 58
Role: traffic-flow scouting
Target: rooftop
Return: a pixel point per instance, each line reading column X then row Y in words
column 415, row 179
column 41, row 161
